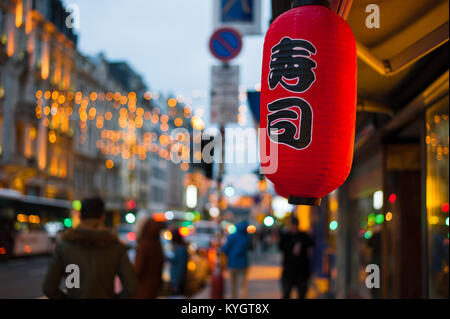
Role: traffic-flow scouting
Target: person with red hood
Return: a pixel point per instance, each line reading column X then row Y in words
column 149, row 260
column 178, row 264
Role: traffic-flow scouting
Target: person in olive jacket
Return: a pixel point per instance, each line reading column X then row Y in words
column 149, row 260
column 92, row 253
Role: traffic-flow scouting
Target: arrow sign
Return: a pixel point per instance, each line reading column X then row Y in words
column 237, row 10
column 225, row 44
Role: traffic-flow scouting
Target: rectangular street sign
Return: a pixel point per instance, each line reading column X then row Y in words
column 242, row 15
column 224, row 94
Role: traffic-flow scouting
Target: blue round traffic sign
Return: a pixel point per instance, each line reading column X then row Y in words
column 225, row 44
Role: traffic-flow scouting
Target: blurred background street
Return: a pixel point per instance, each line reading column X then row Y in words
column 23, row 278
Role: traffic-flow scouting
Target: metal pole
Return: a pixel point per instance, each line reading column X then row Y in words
column 221, row 166
column 222, row 158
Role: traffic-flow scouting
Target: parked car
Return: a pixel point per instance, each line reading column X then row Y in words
column 198, row 266
column 204, row 233
column 127, row 235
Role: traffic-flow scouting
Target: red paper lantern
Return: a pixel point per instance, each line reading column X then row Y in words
column 308, row 101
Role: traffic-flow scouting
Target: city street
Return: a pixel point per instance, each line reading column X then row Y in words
column 263, row 278
column 23, row 278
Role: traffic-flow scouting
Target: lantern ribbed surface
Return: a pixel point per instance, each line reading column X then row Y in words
column 308, row 94
column 280, row 191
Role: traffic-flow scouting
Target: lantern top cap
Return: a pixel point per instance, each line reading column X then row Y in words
column 298, row 3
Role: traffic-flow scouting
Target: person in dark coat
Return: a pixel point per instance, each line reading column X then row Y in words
column 295, row 246
column 178, row 264
column 375, row 243
column 236, row 249
column 149, row 260
column 89, row 257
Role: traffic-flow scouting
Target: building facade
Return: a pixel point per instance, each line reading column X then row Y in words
column 392, row 211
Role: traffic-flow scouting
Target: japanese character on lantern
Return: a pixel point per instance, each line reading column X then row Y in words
column 290, row 119
column 291, row 65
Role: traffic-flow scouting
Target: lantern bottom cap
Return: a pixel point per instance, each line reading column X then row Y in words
column 311, row 201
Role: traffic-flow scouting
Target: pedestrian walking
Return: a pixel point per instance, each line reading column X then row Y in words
column 149, row 260
column 92, row 256
column 178, row 264
column 295, row 246
column 236, row 248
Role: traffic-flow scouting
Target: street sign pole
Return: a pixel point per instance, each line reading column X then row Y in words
column 222, row 160
column 225, row 65
column 217, row 276
column 242, row 15
column 225, row 44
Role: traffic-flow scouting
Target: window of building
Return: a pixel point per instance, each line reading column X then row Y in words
column 1, row 133
column 437, row 193
column 20, row 135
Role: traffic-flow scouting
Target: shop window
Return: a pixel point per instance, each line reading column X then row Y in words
column 2, row 28
column 437, row 193
column 30, row 141
column 58, row 160
column 42, row 147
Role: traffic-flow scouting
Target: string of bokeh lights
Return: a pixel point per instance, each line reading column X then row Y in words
column 56, row 110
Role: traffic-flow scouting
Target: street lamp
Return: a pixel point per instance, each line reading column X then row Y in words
column 269, row 221
column 378, row 200
column 191, row 196
column 214, row 212
column 229, row 191
column 130, row 218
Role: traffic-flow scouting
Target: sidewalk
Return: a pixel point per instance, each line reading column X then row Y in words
column 264, row 280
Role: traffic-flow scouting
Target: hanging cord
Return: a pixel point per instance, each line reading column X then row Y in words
column 298, row 3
